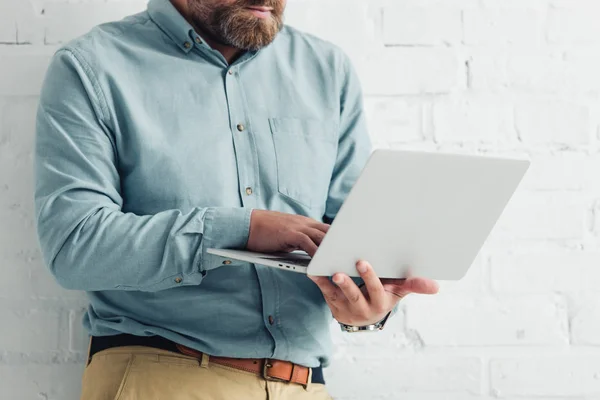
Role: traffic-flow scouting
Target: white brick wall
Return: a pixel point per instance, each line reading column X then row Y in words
column 501, row 76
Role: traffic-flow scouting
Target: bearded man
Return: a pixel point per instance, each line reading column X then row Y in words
column 199, row 124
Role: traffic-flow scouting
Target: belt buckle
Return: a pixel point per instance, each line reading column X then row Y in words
column 268, row 377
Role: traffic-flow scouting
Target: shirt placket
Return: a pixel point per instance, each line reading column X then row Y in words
column 247, row 163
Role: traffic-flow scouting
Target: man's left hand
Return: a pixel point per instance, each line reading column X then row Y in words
column 370, row 304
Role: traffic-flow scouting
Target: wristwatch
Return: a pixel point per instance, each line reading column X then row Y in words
column 367, row 328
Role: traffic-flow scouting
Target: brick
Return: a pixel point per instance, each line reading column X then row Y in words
column 403, row 71
column 472, row 119
column 541, row 217
column 78, row 336
column 546, row 71
column 22, row 75
column 473, row 282
column 18, row 245
column 569, row 171
column 546, row 376
column 82, row 17
column 28, row 330
column 14, row 18
column 412, row 373
column 421, row 26
column 537, row 70
column 585, row 320
column 475, row 320
column 394, row 337
column 394, row 120
column 43, row 285
column 543, row 272
column 541, row 122
column 486, row 69
column 574, row 25
column 355, row 33
column 518, row 26
column 37, row 381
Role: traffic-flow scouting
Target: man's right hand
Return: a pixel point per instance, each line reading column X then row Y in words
column 272, row 231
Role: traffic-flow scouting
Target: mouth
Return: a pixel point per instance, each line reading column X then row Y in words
column 260, row 12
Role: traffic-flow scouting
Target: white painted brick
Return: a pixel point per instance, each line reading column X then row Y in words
column 29, row 330
column 8, row 32
column 535, row 70
column 542, row 217
column 355, row 33
column 394, row 120
column 418, row 373
column 548, row 71
column 431, row 83
column 359, row 345
column 574, row 25
column 78, row 336
column 18, row 243
column 14, row 18
column 40, row 382
column 517, row 26
column 473, row 119
column 473, row 282
column 585, row 321
column 540, row 122
column 571, row 171
column 543, row 272
column 432, row 4
column 411, row 71
column 421, row 26
column 43, row 285
column 547, row 376
column 22, row 75
column 475, row 320
column 57, row 31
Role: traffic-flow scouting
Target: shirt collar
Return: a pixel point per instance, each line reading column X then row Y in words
column 167, row 17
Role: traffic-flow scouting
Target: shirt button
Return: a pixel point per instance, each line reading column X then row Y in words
column 249, row 191
column 187, row 45
column 271, row 320
column 198, row 40
column 240, row 127
column 227, row 262
column 231, row 72
column 178, row 280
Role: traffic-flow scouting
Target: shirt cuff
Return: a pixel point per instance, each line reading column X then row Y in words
column 224, row 228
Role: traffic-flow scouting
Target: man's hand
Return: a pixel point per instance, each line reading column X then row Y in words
column 354, row 306
column 272, row 231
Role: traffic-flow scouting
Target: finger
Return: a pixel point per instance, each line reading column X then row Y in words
column 374, row 286
column 315, row 235
column 401, row 287
column 304, row 242
column 330, row 292
column 320, row 226
column 353, row 294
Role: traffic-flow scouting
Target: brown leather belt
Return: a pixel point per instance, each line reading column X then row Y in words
column 271, row 370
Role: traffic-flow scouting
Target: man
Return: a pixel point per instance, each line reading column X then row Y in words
column 198, row 124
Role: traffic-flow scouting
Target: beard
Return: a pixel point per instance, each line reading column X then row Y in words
column 233, row 25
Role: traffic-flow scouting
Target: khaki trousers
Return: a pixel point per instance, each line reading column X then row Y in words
column 145, row 373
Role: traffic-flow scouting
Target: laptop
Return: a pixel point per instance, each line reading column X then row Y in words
column 410, row 213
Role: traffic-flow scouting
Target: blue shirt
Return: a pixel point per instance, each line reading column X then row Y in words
column 151, row 148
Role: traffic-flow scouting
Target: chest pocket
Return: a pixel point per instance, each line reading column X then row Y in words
column 306, row 151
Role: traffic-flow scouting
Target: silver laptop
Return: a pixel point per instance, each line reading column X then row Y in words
column 409, row 213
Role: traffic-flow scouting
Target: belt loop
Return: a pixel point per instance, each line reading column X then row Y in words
column 309, row 381
column 205, row 359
